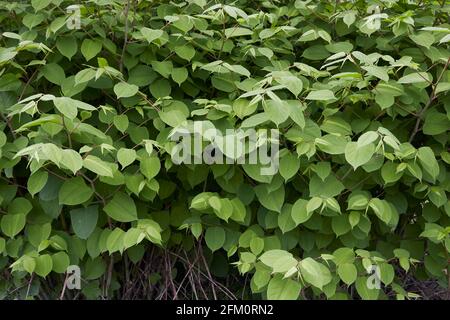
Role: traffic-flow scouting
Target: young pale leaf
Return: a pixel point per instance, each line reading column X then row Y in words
column 125, row 90
column 299, row 211
column 97, row 166
column 314, row 272
column 321, row 95
column 357, row 156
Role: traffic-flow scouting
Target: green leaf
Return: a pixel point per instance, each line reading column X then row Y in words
column 164, row 68
column 115, row 240
column 340, row 224
column 364, row 291
column 321, row 95
column 74, row 191
column 277, row 110
column 40, row 4
column 187, row 52
column 223, row 208
column 428, row 161
column 150, row 34
column 237, row 32
column 313, row 204
column 60, row 262
column 19, row 206
column 67, row 46
column 389, row 172
column 54, row 73
column 256, row 245
column 314, row 272
column 332, row 144
column 417, row 77
column 239, row 210
column 435, row 123
column 121, row 208
column 150, row 166
column 283, row 289
column 343, row 256
column 347, row 272
column 85, row 75
column 296, row 112
column 272, row 200
column 357, row 156
column 243, row 108
column 367, row 138
column 84, row 220
column 160, row 88
column 327, row 188
column 255, row 120
column 358, row 201
column 37, row 181
column 179, row 75
column 12, row 224
column 299, row 212
column 90, row 48
column 97, row 166
column 121, row 122
column 71, row 160
column 173, row 118
column 289, row 166
column 215, row 238
column 38, row 233
column 285, row 221
column 44, row 265
column 69, row 107
column 66, row 106
column 387, row 273
column 270, row 258
column 424, row 39
column 381, row 209
column 125, row 90
column 379, row 72
column 126, row 156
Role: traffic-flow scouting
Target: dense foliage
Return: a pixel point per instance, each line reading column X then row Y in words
column 359, row 91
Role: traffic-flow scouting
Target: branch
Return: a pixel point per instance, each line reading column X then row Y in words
column 432, row 98
column 125, row 41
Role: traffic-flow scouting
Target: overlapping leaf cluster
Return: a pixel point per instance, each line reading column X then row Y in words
column 358, row 89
